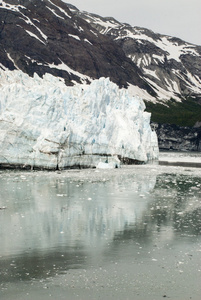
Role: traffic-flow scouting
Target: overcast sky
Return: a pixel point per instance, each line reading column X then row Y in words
column 179, row 18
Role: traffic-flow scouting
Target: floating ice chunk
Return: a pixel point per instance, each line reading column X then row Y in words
column 102, row 165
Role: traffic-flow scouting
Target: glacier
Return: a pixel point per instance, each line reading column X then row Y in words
column 46, row 124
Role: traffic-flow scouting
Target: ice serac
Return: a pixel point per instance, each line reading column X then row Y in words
column 45, row 124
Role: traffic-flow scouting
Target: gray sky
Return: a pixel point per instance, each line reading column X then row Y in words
column 179, row 18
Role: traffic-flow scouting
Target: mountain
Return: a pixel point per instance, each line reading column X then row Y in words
column 169, row 65
column 50, row 36
column 47, row 37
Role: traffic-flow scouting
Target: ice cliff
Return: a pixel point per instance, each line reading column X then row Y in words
column 45, row 124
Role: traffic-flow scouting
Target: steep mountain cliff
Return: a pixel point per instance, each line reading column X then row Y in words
column 169, row 65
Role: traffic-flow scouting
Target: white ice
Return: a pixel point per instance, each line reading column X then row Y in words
column 44, row 123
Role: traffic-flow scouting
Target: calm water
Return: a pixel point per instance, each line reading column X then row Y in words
column 131, row 233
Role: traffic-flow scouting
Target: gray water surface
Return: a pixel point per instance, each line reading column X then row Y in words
column 130, row 233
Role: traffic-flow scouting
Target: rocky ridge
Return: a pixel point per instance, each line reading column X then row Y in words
column 47, row 37
column 172, row 67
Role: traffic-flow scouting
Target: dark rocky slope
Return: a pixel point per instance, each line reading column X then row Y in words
column 178, row 138
column 46, row 37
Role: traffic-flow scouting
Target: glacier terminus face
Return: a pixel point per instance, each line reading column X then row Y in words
column 46, row 124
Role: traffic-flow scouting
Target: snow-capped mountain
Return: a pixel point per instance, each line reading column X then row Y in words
column 169, row 65
column 45, row 36
column 80, row 46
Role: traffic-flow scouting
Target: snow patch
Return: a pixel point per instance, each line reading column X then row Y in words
column 94, row 33
column 173, row 50
column 61, row 9
column 10, row 6
column 29, row 22
column 151, row 72
column 10, row 58
column 53, row 11
column 66, row 68
column 88, row 41
column 139, row 93
column 192, row 82
column 74, row 36
column 107, row 25
column 163, row 94
column 3, row 67
column 35, row 36
column 157, row 58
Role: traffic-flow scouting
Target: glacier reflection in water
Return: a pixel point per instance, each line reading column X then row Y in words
column 100, row 234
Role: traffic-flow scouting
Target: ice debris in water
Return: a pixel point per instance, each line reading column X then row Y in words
column 44, row 123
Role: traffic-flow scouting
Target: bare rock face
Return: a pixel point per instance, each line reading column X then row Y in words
column 177, row 138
